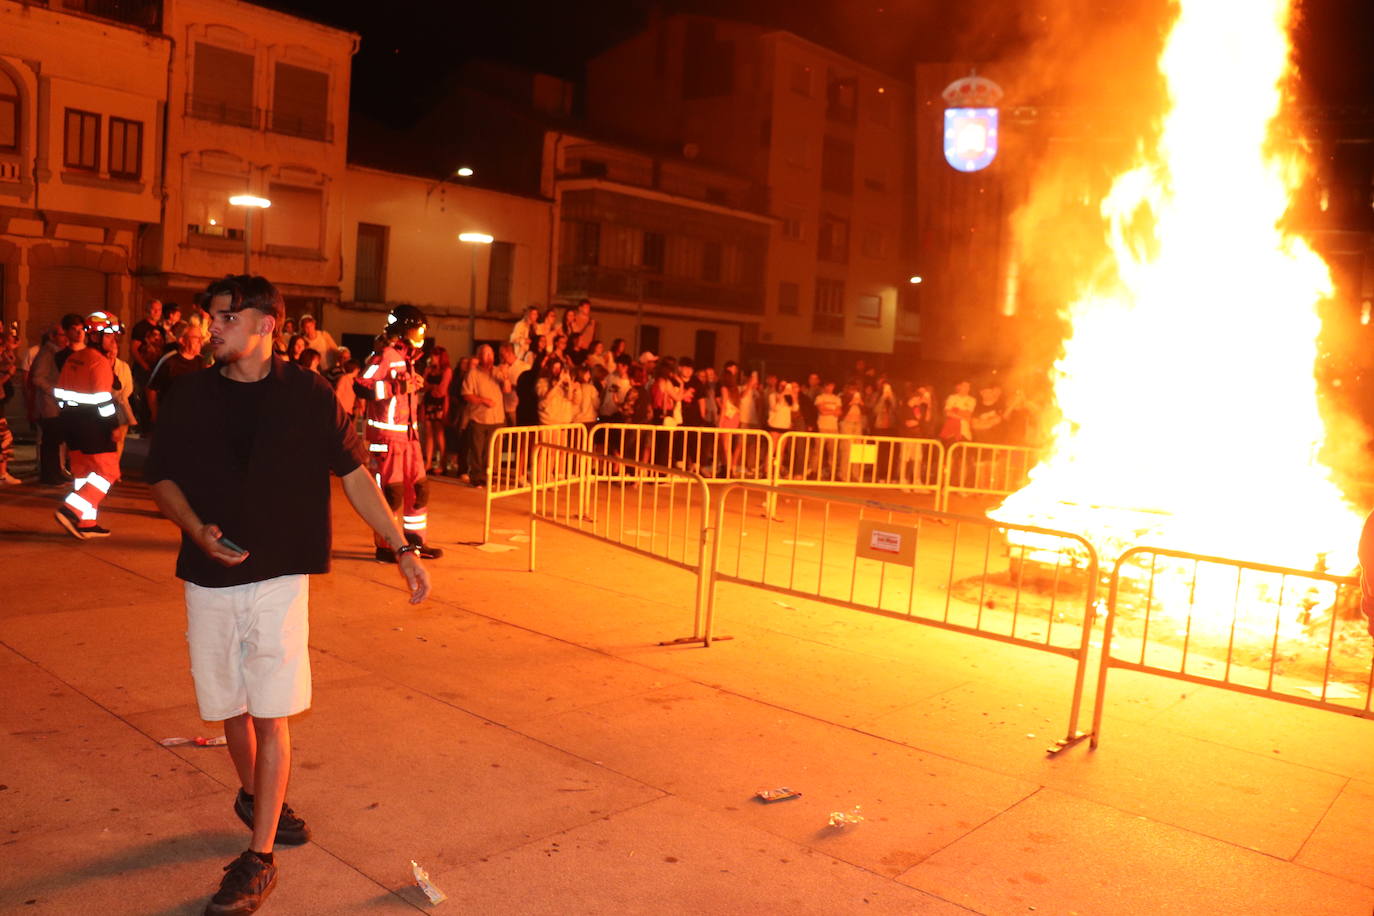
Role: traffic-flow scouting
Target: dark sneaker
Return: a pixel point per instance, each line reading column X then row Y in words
column 247, row 882
column 426, row 551
column 95, row 531
column 67, row 519
column 291, row 829
column 385, row 555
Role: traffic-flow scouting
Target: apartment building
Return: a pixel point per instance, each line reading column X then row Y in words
column 257, row 104
column 81, row 102
column 672, row 253
column 827, row 139
column 401, row 244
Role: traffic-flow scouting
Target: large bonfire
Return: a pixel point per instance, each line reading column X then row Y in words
column 1187, row 385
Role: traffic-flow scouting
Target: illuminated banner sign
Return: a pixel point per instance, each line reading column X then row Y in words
column 970, row 137
column 971, row 123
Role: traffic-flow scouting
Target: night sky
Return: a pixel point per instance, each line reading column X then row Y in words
column 409, row 47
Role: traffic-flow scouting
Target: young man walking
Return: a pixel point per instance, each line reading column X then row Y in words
column 241, row 463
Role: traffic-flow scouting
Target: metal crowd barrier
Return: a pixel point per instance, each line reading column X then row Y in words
column 953, row 572
column 840, row 460
column 509, row 456
column 1266, row 631
column 985, row 469
column 660, row 512
column 715, row 453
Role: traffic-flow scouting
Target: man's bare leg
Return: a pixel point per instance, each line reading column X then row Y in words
column 242, row 742
column 270, row 775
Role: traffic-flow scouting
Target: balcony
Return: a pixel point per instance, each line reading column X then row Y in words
column 292, row 125
column 144, row 14
column 222, row 112
column 576, row 280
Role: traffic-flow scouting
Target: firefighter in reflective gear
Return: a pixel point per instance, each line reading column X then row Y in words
column 391, row 385
column 86, row 412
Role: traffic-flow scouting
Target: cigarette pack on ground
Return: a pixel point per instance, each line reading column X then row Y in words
column 776, row 795
column 422, row 881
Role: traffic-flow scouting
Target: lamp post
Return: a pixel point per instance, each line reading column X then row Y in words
column 474, row 240
column 249, row 203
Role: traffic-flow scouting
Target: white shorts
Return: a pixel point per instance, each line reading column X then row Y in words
column 248, row 648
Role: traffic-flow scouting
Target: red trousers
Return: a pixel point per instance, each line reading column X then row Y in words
column 94, row 474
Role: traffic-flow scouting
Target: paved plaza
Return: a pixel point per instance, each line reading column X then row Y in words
column 525, row 738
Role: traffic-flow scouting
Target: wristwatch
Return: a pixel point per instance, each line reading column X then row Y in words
column 407, row 548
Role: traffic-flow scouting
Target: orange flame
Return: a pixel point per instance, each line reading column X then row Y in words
column 1187, row 387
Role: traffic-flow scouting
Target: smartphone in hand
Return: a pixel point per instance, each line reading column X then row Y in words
column 230, row 545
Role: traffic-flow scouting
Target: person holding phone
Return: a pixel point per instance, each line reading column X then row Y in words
column 241, row 464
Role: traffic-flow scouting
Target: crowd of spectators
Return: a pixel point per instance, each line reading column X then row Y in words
column 553, row 369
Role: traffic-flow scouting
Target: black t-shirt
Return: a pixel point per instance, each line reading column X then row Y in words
column 254, row 458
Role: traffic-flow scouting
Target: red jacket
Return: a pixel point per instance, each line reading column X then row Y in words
column 391, row 386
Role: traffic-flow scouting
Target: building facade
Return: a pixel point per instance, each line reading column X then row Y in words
column 81, row 125
column 827, row 139
column 257, row 104
column 400, row 244
column 673, row 253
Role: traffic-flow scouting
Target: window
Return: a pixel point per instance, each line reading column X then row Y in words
column 295, row 220
column 712, row 254
column 651, row 251
column 829, row 315
column 841, row 97
column 874, row 244
column 581, row 242
column 205, row 204
column 704, row 348
column 875, row 178
column 801, row 79
column 792, row 227
column 81, row 146
column 837, row 166
column 879, row 108
column 9, row 114
column 708, row 65
column 500, row 276
column 869, row 311
column 369, row 268
column 126, row 148
column 592, row 168
column 300, row 102
column 222, row 87
column 789, row 298
column 649, row 338
column 833, row 239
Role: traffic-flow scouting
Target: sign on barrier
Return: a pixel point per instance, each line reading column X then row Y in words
column 1269, row 631
column 964, row 574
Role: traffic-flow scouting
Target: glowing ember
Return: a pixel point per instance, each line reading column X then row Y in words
column 1187, row 386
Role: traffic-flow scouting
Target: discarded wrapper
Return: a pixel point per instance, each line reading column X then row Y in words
column 844, row 818
column 776, row 795
column 422, row 881
column 217, row 741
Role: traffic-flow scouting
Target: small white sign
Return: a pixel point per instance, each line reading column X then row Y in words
column 885, row 541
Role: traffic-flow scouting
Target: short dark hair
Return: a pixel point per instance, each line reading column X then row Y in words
column 72, row 319
column 686, row 363
column 248, row 292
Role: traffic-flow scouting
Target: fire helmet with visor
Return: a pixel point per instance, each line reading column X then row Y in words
column 408, row 322
column 103, row 323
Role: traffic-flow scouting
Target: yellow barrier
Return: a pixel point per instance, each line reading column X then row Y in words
column 509, row 456
column 716, row 454
column 1266, row 631
column 953, row 572
column 660, row 512
column 839, row 460
column 985, row 469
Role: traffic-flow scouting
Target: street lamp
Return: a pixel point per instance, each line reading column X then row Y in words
column 249, row 203
column 475, row 240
